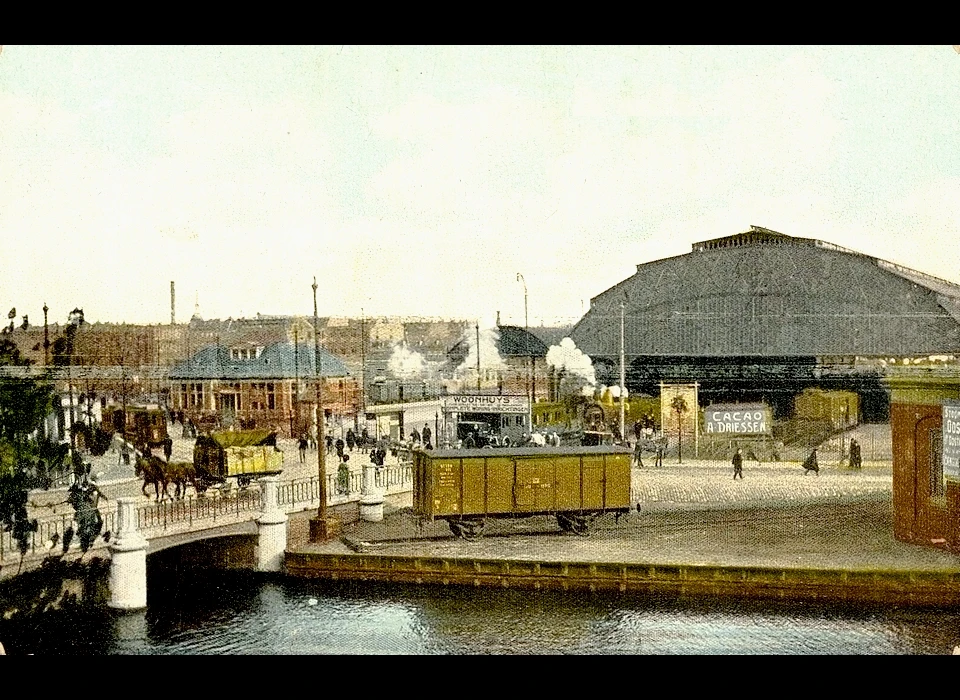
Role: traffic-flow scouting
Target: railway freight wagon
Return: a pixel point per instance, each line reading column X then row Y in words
column 574, row 484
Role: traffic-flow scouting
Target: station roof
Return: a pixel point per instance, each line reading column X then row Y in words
column 764, row 293
column 277, row 361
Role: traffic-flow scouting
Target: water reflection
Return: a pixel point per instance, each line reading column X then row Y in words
column 242, row 613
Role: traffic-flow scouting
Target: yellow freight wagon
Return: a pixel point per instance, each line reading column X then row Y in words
column 574, row 484
column 243, row 454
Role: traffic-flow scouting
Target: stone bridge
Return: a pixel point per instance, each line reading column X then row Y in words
column 132, row 530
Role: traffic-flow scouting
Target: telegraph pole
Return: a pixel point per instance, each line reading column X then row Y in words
column 622, row 378
column 478, row 357
column 531, row 387
column 323, row 527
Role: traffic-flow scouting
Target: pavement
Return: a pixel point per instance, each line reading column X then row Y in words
column 690, row 514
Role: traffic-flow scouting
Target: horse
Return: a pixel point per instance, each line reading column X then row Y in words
column 180, row 474
column 657, row 446
column 153, row 471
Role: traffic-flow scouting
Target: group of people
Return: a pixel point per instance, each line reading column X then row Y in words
column 811, row 464
column 423, row 438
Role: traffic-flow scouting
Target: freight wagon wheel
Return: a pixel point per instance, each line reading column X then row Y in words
column 473, row 529
column 577, row 524
column 467, row 529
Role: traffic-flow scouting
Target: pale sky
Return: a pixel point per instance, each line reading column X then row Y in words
column 421, row 180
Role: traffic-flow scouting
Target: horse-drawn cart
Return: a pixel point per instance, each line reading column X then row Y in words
column 243, row 454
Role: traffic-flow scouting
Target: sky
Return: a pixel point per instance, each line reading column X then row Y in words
column 451, row 181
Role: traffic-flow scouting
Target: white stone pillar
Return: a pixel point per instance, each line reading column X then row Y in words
column 272, row 527
column 371, row 498
column 128, row 560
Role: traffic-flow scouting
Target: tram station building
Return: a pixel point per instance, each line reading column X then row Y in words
column 761, row 316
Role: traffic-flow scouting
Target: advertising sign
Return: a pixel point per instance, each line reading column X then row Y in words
column 483, row 403
column 738, row 419
column 951, row 440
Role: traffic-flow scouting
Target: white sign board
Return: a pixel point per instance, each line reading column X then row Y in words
column 482, row 403
column 737, row 419
column 951, row 440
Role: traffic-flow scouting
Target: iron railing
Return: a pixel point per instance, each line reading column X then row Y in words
column 227, row 506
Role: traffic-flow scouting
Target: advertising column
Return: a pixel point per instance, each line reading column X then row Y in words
column 951, row 440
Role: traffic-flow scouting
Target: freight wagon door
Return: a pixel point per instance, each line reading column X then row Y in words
column 534, row 485
column 592, row 481
column 446, row 487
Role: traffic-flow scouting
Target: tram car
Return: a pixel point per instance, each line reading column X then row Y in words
column 574, row 484
column 243, row 455
column 137, row 424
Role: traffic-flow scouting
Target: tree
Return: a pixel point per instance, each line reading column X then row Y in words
column 679, row 406
column 28, row 458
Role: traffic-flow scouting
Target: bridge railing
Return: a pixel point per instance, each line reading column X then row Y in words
column 218, row 506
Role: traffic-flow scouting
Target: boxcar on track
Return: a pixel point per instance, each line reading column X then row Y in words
column 574, row 484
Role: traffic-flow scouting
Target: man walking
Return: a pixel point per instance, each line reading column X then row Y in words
column 810, row 463
column 738, row 464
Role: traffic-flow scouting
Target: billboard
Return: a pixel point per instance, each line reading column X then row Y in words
column 484, row 403
column 738, row 419
column 951, row 440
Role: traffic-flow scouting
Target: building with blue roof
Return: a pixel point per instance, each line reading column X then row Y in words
column 251, row 385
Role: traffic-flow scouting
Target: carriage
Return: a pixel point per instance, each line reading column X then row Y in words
column 137, row 424
column 243, row 455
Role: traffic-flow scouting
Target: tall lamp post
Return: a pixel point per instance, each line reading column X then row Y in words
column 526, row 328
column 322, row 527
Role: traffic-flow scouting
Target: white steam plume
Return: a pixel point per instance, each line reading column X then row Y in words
column 567, row 357
column 405, row 363
column 489, row 352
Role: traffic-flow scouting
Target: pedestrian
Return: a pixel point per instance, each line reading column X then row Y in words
column 855, row 459
column 738, row 464
column 167, row 448
column 329, row 441
column 302, row 446
column 339, row 447
column 469, row 443
column 414, row 437
column 638, row 454
column 351, row 439
column 637, row 430
column 364, row 440
column 426, row 434
column 343, row 475
column 810, row 463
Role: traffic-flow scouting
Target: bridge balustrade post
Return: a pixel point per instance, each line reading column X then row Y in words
column 371, row 497
column 271, row 526
column 128, row 560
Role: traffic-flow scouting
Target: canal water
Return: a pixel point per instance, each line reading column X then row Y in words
column 240, row 613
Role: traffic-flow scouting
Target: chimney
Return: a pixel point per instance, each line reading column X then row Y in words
column 173, row 315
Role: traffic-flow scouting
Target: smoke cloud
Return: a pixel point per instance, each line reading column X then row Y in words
column 405, row 363
column 567, row 357
column 489, row 351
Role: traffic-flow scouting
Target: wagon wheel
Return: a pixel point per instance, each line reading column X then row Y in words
column 577, row 524
column 455, row 528
column 244, row 481
column 473, row 529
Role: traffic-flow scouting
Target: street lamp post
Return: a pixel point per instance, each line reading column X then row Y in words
column 323, row 527
column 530, row 373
